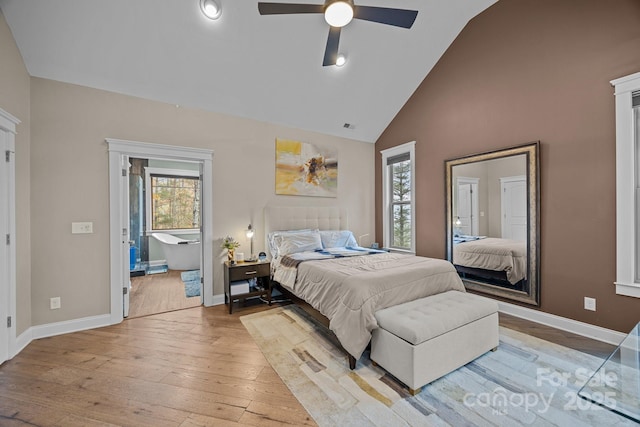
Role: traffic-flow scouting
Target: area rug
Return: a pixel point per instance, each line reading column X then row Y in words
column 527, row 381
column 191, row 281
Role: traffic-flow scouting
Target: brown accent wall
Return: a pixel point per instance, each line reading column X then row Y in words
column 521, row 71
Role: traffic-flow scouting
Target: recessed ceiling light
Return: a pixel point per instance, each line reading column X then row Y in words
column 341, row 60
column 338, row 13
column 210, row 8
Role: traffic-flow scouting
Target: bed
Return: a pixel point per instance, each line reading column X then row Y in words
column 491, row 258
column 317, row 261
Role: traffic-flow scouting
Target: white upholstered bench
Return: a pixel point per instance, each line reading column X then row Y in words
column 422, row 340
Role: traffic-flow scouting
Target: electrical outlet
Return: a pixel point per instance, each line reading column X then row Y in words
column 81, row 227
column 589, row 303
column 54, row 303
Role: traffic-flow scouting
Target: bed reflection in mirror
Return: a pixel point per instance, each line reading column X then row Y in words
column 492, row 221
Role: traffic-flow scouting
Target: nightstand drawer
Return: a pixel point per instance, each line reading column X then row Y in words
column 242, row 272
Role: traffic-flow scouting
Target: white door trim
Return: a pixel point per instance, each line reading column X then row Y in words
column 118, row 148
column 7, row 231
column 125, row 232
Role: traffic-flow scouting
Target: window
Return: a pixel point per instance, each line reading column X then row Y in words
column 627, row 93
column 398, row 178
column 173, row 199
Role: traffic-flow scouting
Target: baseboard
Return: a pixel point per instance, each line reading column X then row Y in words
column 574, row 326
column 21, row 342
column 68, row 326
column 58, row 328
column 217, row 300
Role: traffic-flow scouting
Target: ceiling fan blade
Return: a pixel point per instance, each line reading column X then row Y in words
column 288, row 8
column 331, row 52
column 383, row 15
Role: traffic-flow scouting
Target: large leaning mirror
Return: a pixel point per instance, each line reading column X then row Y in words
column 492, row 211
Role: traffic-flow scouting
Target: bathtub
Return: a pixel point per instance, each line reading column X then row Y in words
column 180, row 254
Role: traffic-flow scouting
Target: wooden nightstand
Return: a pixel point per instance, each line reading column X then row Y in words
column 236, row 276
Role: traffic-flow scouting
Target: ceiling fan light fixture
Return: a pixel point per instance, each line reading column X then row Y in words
column 341, row 60
column 211, row 9
column 339, row 13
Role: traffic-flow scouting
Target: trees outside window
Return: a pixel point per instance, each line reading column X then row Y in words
column 401, row 204
column 175, row 203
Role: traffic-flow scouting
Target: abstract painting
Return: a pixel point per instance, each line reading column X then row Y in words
column 303, row 169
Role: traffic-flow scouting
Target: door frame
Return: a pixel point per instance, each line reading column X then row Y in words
column 126, row 232
column 118, row 148
column 7, row 232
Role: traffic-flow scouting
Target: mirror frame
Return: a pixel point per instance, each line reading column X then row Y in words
column 531, row 151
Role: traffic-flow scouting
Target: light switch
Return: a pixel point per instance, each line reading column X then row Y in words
column 81, row 227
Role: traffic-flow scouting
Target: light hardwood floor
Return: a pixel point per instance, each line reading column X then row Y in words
column 158, row 293
column 194, row 367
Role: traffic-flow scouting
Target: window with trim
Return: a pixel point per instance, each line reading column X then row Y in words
column 398, row 183
column 627, row 93
column 173, row 200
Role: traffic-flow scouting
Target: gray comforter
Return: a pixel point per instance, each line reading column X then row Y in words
column 348, row 291
column 494, row 254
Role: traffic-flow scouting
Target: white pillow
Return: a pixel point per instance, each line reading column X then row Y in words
column 337, row 239
column 275, row 237
column 298, row 242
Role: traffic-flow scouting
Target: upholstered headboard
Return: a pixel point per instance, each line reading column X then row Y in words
column 278, row 218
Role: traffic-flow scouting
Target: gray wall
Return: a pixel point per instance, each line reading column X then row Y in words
column 69, row 182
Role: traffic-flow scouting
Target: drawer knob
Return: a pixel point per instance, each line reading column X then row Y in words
column 251, row 272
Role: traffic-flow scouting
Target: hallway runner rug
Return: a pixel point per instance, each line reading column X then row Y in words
column 527, row 381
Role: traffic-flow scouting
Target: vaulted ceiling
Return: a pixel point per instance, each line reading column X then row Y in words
column 267, row 68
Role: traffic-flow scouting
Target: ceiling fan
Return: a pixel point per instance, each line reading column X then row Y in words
column 339, row 13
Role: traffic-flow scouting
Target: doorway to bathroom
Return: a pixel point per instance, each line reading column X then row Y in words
column 149, row 187
column 164, row 235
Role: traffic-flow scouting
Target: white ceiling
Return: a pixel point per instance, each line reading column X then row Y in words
column 267, row 68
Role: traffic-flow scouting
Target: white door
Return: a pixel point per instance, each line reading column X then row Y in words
column 468, row 205
column 514, row 208
column 124, row 222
